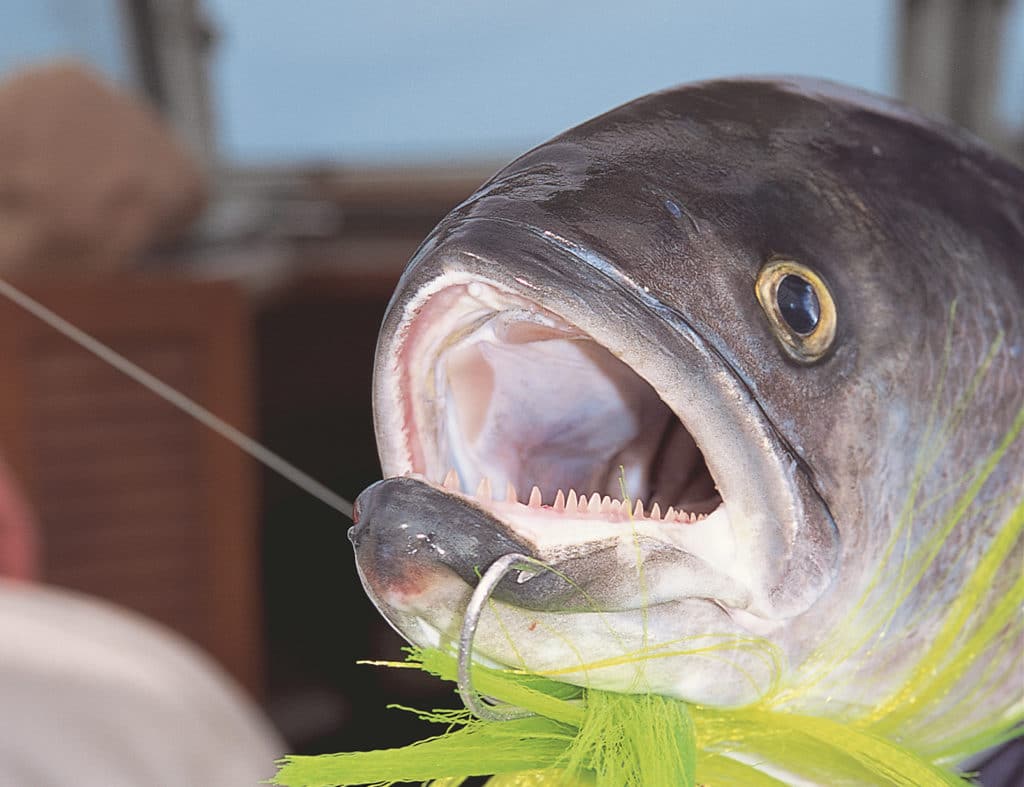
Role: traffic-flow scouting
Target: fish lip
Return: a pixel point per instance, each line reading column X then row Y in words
column 804, row 556
column 414, row 527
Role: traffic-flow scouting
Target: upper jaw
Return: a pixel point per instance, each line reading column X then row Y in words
column 772, row 542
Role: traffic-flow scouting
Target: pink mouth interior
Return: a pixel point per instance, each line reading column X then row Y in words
column 514, row 403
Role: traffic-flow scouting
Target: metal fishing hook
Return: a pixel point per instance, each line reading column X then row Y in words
column 498, row 570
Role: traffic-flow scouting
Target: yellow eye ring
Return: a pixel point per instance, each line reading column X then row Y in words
column 799, row 307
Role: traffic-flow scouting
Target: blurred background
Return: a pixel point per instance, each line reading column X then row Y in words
column 226, row 191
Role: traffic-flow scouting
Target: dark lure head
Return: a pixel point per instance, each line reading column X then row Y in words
column 688, row 354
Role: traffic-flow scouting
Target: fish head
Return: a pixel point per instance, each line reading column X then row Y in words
column 665, row 354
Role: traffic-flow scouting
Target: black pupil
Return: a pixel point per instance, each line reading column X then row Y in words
column 798, row 304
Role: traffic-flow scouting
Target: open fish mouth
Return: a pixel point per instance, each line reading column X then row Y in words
column 565, row 414
column 527, row 416
column 521, row 410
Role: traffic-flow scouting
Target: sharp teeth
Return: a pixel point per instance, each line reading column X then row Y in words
column 451, row 481
column 638, row 509
column 615, row 507
column 606, row 504
column 595, row 502
column 670, row 515
column 510, row 493
column 571, row 501
column 535, row 498
column 483, row 491
column 583, row 505
column 655, row 511
column 559, row 501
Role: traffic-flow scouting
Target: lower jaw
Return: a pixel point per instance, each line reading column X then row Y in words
column 688, row 649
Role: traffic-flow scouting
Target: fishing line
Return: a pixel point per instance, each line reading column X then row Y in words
column 171, row 395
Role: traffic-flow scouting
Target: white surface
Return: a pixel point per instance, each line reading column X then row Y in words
column 93, row 695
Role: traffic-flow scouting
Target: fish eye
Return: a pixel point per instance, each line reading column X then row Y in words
column 799, row 307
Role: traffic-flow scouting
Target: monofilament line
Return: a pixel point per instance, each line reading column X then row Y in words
column 178, row 399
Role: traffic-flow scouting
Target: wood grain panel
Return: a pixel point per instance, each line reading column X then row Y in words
column 137, row 502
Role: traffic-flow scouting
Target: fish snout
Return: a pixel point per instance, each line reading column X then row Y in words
column 410, row 536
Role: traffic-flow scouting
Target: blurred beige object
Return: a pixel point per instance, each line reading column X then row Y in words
column 89, row 176
column 96, row 695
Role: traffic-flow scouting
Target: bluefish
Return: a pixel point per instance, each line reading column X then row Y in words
column 725, row 358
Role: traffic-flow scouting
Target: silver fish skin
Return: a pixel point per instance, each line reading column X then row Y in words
column 589, row 320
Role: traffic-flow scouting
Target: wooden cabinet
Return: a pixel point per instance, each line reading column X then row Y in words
column 137, row 502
